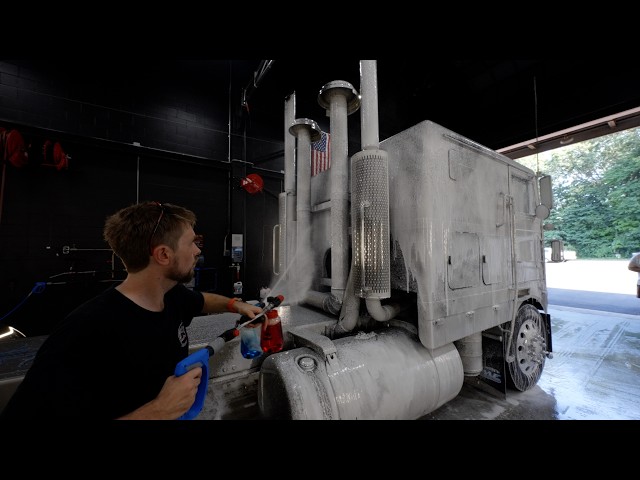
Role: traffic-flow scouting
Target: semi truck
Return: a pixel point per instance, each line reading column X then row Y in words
column 411, row 267
column 407, row 269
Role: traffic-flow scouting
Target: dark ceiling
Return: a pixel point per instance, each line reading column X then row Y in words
column 497, row 103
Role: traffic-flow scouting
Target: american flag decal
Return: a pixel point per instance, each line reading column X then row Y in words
column 321, row 154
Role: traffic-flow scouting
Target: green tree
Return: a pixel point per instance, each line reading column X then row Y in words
column 596, row 194
column 623, row 183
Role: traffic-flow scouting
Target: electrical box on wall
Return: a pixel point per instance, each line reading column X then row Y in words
column 236, row 247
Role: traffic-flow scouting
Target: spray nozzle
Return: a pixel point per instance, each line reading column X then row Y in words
column 272, row 302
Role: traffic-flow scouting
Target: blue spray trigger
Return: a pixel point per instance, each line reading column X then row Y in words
column 199, row 358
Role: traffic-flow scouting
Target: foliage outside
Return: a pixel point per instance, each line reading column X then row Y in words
column 596, row 194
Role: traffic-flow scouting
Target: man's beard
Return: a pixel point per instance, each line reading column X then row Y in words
column 180, row 276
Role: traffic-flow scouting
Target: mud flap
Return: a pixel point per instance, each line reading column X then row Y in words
column 494, row 367
column 547, row 321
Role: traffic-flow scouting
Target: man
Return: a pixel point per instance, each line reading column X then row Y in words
column 634, row 266
column 114, row 356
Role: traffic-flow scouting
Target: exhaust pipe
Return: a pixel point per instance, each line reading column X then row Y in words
column 370, row 206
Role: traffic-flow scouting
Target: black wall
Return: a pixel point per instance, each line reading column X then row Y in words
column 195, row 145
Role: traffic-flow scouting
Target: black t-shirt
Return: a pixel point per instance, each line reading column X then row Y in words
column 106, row 358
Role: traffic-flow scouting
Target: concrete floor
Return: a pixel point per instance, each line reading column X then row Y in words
column 594, row 375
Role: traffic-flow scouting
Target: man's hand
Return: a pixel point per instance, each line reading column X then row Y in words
column 248, row 310
column 174, row 400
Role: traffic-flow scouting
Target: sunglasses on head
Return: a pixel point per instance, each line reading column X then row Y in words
column 155, row 229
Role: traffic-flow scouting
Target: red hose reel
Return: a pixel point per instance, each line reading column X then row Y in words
column 253, row 183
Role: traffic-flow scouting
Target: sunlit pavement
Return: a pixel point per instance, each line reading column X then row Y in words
column 611, row 276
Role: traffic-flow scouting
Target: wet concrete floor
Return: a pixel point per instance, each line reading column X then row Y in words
column 594, row 375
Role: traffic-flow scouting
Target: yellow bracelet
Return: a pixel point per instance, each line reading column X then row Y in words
column 230, row 305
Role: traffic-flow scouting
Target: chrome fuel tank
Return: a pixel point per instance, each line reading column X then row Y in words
column 384, row 374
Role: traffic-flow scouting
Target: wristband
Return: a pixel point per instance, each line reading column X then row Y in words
column 230, row 305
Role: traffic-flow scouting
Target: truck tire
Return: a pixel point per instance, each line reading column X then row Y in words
column 528, row 347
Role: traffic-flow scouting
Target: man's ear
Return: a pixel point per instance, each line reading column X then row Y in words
column 162, row 254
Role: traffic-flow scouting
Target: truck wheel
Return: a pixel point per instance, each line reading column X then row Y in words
column 529, row 347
